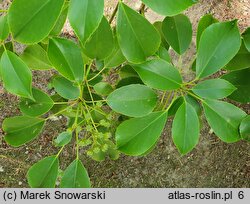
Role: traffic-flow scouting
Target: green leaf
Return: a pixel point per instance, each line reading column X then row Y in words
column 41, row 104
column 44, row 173
column 214, row 89
column 127, row 71
column 8, row 46
column 75, row 176
column 175, row 106
column 245, row 128
column 66, row 88
column 95, row 80
column 116, row 58
column 186, row 128
column 36, row 58
column 204, row 23
column 4, row 28
column 240, row 61
column 128, row 81
column 60, row 21
column 177, row 31
column 163, row 54
column 158, row 26
column 101, row 44
column 240, row 79
column 159, row 74
column 21, row 129
column 137, row 38
column 31, row 21
column 195, row 103
column 136, row 136
column 66, row 57
column 169, row 7
column 103, row 88
column 219, row 43
column 88, row 98
column 246, row 38
column 133, row 100
column 85, row 16
column 17, row 77
column 63, row 139
column 224, row 118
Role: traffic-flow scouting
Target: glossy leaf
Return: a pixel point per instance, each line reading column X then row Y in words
column 21, row 129
column 186, row 128
column 136, row 136
column 101, row 44
column 4, row 27
column 169, row 7
column 8, row 46
column 246, row 38
column 240, row 61
column 245, row 128
column 17, row 77
column 31, row 21
column 103, row 88
column 75, row 176
column 163, row 54
column 127, row 71
column 41, row 104
column 63, row 139
column 194, row 103
column 137, row 38
column 204, row 23
column 175, row 106
column 116, row 58
column 133, row 100
column 240, row 79
column 85, row 16
column 128, row 81
column 60, row 21
column 66, row 88
column 177, row 31
column 66, row 57
column 36, row 58
column 44, row 173
column 219, row 43
column 214, row 89
column 224, row 118
column 158, row 26
column 159, row 74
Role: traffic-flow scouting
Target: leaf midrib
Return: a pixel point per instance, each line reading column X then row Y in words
column 17, row 76
column 215, row 50
column 137, row 99
column 31, row 18
column 49, row 169
column 37, row 59
column 178, row 39
column 217, row 113
column 65, row 59
column 158, row 74
column 139, row 42
column 149, row 124
column 26, row 127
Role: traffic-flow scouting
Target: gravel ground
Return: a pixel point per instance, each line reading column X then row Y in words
column 211, row 164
